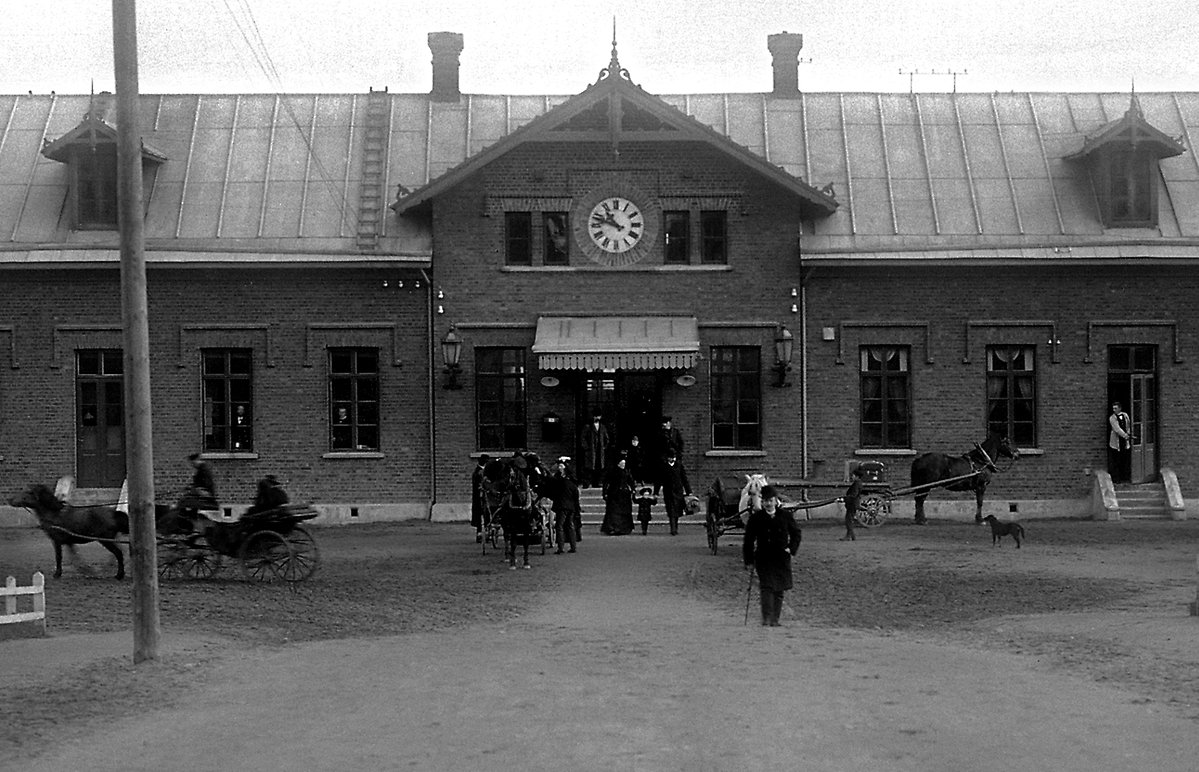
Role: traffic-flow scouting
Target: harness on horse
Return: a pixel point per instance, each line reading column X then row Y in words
column 986, row 463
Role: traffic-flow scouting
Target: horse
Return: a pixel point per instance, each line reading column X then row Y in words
column 978, row 462
column 751, row 492
column 508, row 497
column 66, row 524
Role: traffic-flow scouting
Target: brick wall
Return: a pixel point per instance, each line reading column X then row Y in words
column 306, row 311
column 738, row 304
column 948, row 395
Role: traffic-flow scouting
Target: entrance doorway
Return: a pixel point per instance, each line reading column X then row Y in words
column 630, row 402
column 99, row 418
column 1132, row 381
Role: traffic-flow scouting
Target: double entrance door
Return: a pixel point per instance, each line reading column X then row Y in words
column 1132, row 381
column 99, row 418
column 629, row 403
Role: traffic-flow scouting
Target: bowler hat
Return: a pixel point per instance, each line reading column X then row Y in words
column 769, row 492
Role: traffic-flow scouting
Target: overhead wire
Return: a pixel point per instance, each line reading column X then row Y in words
column 252, row 36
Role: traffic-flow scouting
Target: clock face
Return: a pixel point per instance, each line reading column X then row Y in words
column 616, row 225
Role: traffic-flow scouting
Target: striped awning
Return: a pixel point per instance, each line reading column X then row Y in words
column 616, row 342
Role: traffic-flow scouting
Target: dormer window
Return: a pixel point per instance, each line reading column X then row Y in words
column 1131, row 194
column 90, row 152
column 1123, row 158
column 94, row 178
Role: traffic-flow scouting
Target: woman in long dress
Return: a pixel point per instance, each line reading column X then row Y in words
column 618, row 500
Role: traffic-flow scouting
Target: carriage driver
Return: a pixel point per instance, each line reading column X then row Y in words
column 202, row 492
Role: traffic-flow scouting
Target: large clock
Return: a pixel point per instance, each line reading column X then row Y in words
column 616, row 225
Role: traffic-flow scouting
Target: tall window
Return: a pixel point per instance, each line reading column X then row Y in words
column 96, row 194
column 228, row 400
column 500, row 398
column 886, row 397
column 557, row 241
column 676, row 226
column 714, row 229
column 736, row 398
column 1012, row 393
column 518, row 238
column 1130, row 188
column 353, row 399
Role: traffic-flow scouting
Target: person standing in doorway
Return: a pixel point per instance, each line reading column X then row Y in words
column 635, row 455
column 596, row 443
column 1119, row 444
column 675, row 488
column 771, row 540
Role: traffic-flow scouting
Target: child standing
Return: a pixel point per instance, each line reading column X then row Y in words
column 645, row 499
column 853, row 495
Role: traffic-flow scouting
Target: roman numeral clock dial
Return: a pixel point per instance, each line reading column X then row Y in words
column 616, row 227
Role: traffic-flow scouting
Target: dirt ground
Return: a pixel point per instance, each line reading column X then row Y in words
column 910, row 649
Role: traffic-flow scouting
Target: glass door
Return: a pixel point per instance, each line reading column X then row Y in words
column 99, row 418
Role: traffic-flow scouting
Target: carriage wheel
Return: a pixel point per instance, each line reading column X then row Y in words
column 170, row 559
column 305, row 555
column 264, row 557
column 201, row 564
column 873, row 509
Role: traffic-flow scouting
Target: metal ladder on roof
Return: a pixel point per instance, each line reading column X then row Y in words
column 374, row 169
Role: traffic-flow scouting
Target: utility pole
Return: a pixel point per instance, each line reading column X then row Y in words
column 139, row 448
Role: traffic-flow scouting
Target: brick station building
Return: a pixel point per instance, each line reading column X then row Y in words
column 800, row 279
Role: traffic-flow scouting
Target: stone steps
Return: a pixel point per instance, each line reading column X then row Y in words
column 1145, row 501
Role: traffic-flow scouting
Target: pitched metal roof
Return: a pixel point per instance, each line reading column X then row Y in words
column 911, row 172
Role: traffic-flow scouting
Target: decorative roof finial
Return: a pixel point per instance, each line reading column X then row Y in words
column 614, row 67
column 1134, row 104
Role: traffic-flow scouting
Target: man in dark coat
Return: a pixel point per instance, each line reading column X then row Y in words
column 478, row 505
column 675, row 488
column 666, row 439
column 771, row 540
column 596, row 443
column 562, row 491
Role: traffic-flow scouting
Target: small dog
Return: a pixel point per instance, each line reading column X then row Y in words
column 999, row 530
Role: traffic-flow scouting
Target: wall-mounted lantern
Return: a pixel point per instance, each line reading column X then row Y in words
column 783, row 343
column 451, row 352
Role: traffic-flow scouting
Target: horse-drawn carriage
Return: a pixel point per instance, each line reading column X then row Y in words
column 512, row 511
column 270, row 545
column 728, row 504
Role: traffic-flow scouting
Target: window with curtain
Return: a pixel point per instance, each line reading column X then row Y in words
column 885, row 418
column 500, row 398
column 736, row 397
column 1012, row 393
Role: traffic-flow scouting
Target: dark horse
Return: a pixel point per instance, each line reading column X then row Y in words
column 509, row 496
column 929, row 468
column 69, row 525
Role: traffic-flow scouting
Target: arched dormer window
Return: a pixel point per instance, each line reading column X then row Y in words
column 90, row 152
column 1123, row 157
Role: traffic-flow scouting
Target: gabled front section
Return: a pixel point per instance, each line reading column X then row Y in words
column 615, row 257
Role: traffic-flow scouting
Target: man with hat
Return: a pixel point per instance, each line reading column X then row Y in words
column 478, row 505
column 675, row 488
column 771, row 539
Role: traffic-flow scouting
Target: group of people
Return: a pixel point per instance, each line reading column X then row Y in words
column 632, row 477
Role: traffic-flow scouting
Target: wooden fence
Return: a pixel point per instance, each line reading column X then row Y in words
column 37, row 590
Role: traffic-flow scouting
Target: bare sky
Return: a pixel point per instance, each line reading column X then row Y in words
column 559, row 46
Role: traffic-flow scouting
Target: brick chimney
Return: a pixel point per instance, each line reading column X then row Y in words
column 784, row 49
column 446, row 46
